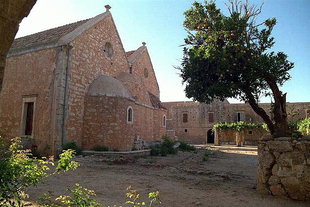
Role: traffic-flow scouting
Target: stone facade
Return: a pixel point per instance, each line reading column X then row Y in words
column 201, row 118
column 284, row 167
column 76, row 83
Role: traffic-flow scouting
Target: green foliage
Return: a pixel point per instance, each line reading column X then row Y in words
column 134, row 198
column 78, row 197
column 73, row 146
column 229, row 56
column 19, row 170
column 101, row 148
column 236, row 126
column 186, row 147
column 167, row 146
column 65, row 162
column 303, row 126
column 83, row 197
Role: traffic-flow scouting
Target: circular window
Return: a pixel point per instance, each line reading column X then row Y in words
column 146, row 73
column 108, row 50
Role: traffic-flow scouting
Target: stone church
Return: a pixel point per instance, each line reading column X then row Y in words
column 76, row 83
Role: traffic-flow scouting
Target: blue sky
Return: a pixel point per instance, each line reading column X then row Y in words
column 159, row 24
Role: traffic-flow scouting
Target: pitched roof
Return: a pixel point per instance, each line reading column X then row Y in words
column 45, row 37
column 53, row 37
column 133, row 55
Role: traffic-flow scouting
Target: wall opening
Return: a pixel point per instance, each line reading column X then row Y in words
column 164, row 121
column 27, row 122
column 129, row 115
column 185, row 117
column 210, row 136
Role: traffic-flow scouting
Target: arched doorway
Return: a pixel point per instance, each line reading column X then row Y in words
column 210, row 136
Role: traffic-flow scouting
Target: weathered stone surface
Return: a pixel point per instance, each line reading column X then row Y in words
column 266, row 137
column 293, row 187
column 289, row 175
column 266, row 159
column 285, row 159
column 280, row 146
column 277, row 190
column 274, row 180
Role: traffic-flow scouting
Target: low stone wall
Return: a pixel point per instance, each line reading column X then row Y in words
column 247, row 136
column 284, row 167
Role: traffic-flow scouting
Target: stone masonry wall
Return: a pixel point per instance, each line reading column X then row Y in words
column 284, row 167
column 29, row 75
column 227, row 136
column 138, row 68
column 105, row 123
column 87, row 61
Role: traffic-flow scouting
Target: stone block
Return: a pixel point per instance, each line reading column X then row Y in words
column 277, row 190
column 298, row 158
column 274, row 180
column 280, row 146
column 266, row 159
column 285, row 159
column 284, row 172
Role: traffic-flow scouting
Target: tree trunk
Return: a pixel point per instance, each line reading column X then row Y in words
column 260, row 111
column 281, row 128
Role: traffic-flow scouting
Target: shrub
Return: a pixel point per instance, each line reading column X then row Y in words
column 186, row 147
column 73, row 146
column 19, row 170
column 155, row 150
column 303, row 126
column 164, row 148
column 101, row 148
column 237, row 126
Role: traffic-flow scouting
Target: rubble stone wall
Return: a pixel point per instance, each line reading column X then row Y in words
column 284, row 167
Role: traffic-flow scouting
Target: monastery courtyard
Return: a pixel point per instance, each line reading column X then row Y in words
column 226, row 178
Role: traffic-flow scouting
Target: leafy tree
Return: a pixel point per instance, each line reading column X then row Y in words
column 229, row 56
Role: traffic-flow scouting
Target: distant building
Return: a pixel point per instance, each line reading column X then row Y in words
column 192, row 121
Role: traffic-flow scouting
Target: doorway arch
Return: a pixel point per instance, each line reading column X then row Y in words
column 210, row 136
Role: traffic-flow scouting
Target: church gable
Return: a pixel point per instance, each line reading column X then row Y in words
column 141, row 65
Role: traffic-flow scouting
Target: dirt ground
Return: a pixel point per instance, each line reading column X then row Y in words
column 227, row 178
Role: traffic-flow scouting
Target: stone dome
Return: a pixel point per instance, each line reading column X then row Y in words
column 108, row 86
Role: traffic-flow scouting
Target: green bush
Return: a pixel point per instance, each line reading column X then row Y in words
column 237, row 126
column 303, row 126
column 186, row 147
column 155, row 150
column 164, row 148
column 19, row 170
column 101, row 148
column 73, row 146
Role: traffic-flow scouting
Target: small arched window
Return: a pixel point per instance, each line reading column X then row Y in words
column 164, row 121
column 129, row 115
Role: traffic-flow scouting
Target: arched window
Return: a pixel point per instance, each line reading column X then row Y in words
column 164, row 121
column 129, row 115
